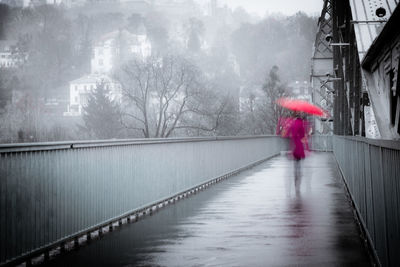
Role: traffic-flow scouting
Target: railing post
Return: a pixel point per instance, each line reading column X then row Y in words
column 375, row 200
column 385, row 204
column 67, row 188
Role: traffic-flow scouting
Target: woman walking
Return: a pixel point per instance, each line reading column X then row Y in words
column 297, row 133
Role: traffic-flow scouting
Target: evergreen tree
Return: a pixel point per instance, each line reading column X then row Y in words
column 273, row 89
column 272, row 84
column 195, row 30
column 4, row 16
column 101, row 114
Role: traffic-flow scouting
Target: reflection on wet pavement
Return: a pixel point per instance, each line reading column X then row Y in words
column 256, row 218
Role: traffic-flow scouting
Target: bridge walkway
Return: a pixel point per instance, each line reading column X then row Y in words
column 256, row 218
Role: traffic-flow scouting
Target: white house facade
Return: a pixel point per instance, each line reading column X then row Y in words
column 80, row 89
column 116, row 47
column 102, row 60
column 111, row 50
column 7, row 59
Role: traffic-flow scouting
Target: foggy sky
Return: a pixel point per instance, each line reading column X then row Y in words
column 287, row 7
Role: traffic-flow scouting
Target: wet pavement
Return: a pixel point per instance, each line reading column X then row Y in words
column 261, row 217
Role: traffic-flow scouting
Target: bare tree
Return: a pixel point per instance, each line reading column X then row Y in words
column 207, row 113
column 27, row 121
column 162, row 95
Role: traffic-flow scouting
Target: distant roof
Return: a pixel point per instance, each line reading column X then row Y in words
column 91, row 78
column 123, row 34
column 367, row 24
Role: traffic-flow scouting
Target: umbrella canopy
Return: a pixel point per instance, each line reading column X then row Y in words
column 300, row 106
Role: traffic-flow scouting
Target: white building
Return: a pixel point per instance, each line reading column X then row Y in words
column 80, row 89
column 7, row 59
column 111, row 50
column 300, row 90
column 118, row 46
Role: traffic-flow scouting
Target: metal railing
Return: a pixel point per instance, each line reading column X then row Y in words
column 52, row 192
column 371, row 169
column 321, row 143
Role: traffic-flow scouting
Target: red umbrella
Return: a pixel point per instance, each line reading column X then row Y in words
column 300, row 106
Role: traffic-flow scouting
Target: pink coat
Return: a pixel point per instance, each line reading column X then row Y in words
column 297, row 133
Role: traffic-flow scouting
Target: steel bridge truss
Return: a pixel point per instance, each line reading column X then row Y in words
column 321, row 69
column 336, row 72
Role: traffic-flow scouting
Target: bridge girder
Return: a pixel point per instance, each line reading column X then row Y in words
column 347, row 31
column 321, row 65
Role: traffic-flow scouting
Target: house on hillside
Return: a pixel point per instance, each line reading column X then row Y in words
column 109, row 51
column 300, row 90
column 116, row 47
column 80, row 89
column 8, row 57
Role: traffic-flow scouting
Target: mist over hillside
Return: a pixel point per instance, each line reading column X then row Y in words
column 51, row 46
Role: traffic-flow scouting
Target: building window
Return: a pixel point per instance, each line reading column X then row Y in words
column 100, row 62
column 76, row 99
column 84, row 99
column 76, row 87
column 85, row 88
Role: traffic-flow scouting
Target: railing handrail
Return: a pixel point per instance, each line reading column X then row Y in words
column 391, row 144
column 45, row 146
column 54, row 197
column 370, row 170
